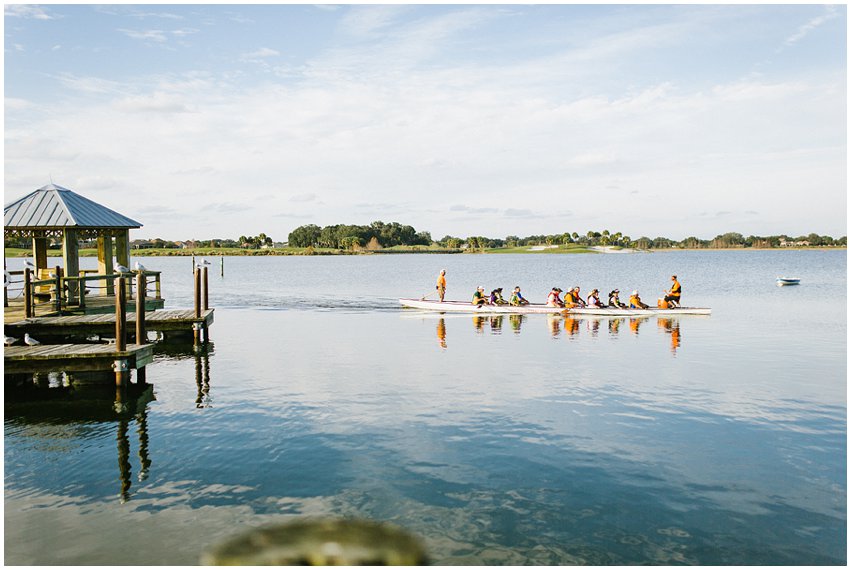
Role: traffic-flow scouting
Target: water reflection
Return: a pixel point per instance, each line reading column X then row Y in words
column 671, row 326
column 441, row 332
column 202, row 379
column 572, row 326
column 87, row 401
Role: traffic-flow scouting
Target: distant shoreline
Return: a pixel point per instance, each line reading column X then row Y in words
column 526, row 250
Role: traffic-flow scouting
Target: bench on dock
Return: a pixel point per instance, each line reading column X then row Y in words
column 74, row 357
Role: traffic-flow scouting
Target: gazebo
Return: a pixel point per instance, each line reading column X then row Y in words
column 52, row 212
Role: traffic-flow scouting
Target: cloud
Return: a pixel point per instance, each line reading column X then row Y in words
column 830, row 12
column 224, row 207
column 28, row 11
column 157, row 102
column 303, row 198
column 471, row 210
column 152, row 35
column 520, row 213
column 261, row 53
column 91, row 85
column 158, row 36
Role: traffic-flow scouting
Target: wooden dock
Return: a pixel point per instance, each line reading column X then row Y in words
column 104, row 324
column 75, row 358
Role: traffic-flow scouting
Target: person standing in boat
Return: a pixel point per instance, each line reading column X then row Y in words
column 636, row 303
column 614, row 300
column 479, row 298
column 517, row 298
column 553, row 299
column 441, row 284
column 672, row 296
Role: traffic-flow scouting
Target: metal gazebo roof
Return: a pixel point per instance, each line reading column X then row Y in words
column 52, row 207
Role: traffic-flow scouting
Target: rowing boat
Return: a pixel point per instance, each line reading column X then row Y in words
column 532, row 308
column 781, row 281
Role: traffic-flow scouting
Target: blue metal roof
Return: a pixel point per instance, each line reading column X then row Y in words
column 57, row 207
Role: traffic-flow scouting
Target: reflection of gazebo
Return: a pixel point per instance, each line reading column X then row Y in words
column 54, row 212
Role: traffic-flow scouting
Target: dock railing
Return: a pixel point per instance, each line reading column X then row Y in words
column 59, row 291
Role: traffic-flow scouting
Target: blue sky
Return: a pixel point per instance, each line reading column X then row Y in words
column 218, row 120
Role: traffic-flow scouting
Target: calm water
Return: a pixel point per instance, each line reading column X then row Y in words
column 534, row 440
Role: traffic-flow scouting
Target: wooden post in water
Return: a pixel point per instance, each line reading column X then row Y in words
column 120, row 365
column 206, row 289
column 141, row 333
column 196, row 329
column 28, row 293
column 223, row 265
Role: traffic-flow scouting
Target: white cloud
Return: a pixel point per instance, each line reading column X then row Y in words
column 153, row 35
column 156, row 102
column 261, row 53
column 303, row 198
column 28, row 11
column 830, row 12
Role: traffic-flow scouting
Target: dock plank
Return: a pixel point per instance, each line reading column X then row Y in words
column 73, row 357
column 162, row 320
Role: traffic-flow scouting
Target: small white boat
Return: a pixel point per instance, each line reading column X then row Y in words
column 532, row 308
column 781, row 281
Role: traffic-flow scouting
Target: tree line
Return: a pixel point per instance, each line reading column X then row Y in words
column 375, row 235
column 380, row 235
column 387, row 235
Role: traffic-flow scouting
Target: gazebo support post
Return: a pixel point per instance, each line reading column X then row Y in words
column 105, row 263
column 39, row 254
column 122, row 254
column 71, row 260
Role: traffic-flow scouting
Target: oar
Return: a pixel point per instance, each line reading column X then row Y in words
column 428, row 295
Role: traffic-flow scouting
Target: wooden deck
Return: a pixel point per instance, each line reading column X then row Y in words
column 73, row 357
column 104, row 324
column 97, row 305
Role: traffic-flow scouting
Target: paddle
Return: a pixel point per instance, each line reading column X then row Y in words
column 428, row 295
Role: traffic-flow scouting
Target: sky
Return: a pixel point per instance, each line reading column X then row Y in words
column 214, row 121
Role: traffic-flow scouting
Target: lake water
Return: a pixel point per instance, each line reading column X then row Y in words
column 533, row 440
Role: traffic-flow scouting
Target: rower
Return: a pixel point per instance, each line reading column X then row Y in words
column 594, row 299
column 553, row 299
column 517, row 298
column 635, row 302
column 479, row 298
column 573, row 299
column 496, row 297
column 672, row 296
column 614, row 300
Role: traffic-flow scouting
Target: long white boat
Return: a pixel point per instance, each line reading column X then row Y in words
column 462, row 307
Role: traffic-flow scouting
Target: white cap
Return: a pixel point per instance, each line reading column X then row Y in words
column 635, row 292
column 482, row 288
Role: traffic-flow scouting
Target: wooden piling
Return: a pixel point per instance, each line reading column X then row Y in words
column 141, row 285
column 196, row 329
column 28, row 293
column 197, row 293
column 206, row 288
column 223, row 266
column 120, row 366
column 120, row 314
